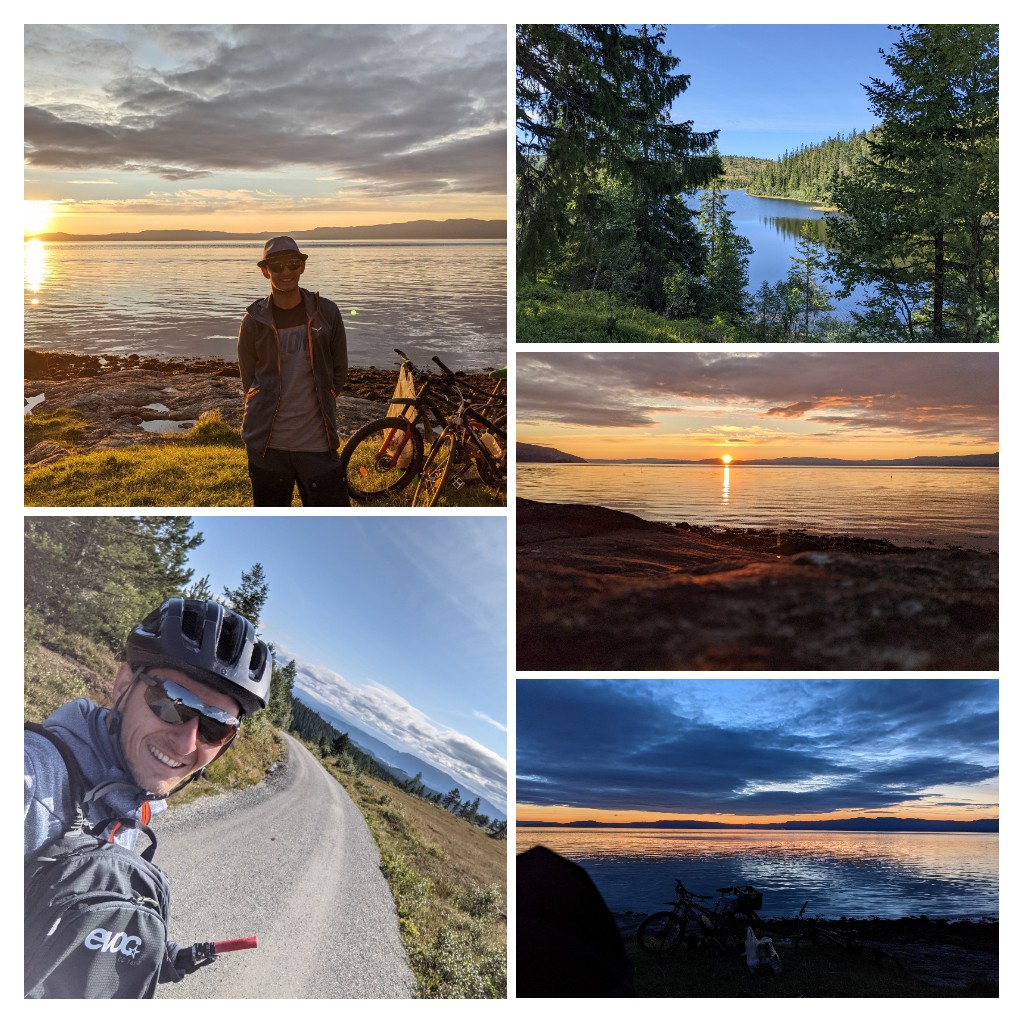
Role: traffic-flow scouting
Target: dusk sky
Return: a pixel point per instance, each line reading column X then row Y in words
column 756, row 750
column 702, row 405
column 769, row 88
column 397, row 623
column 262, row 128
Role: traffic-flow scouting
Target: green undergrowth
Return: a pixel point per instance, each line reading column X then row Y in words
column 547, row 314
column 203, row 468
column 448, row 879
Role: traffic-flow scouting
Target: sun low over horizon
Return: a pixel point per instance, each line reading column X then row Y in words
column 259, row 128
column 756, row 752
column 736, row 407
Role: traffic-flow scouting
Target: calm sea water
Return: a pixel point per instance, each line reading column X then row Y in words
column 187, row 299
column 856, row 874
column 906, row 506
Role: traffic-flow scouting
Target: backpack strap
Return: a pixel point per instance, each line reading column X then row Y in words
column 75, row 779
column 79, row 795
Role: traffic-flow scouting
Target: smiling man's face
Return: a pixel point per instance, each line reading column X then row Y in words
column 161, row 754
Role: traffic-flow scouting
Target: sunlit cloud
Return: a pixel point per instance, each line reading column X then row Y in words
column 384, row 713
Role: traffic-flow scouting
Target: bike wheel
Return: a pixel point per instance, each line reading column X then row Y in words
column 435, row 471
column 661, row 932
column 382, row 457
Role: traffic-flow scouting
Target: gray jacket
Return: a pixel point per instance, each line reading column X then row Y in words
column 259, row 362
column 110, row 790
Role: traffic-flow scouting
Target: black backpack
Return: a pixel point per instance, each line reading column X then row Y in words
column 95, row 912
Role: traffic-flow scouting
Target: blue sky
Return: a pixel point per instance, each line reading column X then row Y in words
column 400, row 621
column 756, row 750
column 769, row 88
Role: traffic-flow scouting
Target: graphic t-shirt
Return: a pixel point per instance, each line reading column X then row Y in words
column 298, row 425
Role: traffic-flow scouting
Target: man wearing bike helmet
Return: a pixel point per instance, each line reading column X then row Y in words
column 192, row 671
column 293, row 360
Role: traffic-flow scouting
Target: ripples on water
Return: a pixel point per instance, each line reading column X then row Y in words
column 853, row 874
column 906, row 506
column 187, row 299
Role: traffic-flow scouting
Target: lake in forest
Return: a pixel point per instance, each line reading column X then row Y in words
column 904, row 505
column 445, row 298
column 773, row 226
column 857, row 874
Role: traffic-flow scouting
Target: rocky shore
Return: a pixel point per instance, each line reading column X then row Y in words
column 119, row 395
column 599, row 590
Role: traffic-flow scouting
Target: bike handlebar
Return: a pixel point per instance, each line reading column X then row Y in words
column 199, row 954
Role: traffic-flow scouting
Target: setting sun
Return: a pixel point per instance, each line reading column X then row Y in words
column 38, row 213
column 727, row 459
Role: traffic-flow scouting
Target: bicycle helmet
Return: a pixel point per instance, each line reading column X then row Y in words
column 209, row 642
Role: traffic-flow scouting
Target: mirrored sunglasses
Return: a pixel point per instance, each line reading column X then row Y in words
column 172, row 703
column 280, row 266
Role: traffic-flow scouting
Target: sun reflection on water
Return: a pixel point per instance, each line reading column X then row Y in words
column 36, row 265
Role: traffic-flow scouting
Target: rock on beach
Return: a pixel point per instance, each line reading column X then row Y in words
column 600, row 590
column 118, row 394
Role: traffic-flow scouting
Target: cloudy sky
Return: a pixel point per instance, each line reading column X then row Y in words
column 398, row 623
column 700, row 405
column 261, row 128
column 756, row 750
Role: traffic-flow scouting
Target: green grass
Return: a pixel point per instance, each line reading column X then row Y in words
column 62, row 426
column 448, row 879
column 545, row 313
column 204, row 468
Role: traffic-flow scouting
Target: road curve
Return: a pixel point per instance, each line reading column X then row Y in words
column 292, row 861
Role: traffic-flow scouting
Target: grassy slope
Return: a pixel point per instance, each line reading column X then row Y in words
column 449, row 882
column 204, row 468
column 546, row 314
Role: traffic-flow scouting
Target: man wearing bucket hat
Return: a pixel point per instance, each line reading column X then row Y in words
column 293, row 360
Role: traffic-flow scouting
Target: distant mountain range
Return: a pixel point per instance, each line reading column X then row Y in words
column 838, row 825
column 405, row 766
column 465, row 228
column 542, row 453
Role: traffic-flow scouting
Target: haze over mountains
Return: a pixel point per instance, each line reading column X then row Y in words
column 543, row 453
column 403, row 764
column 464, row 228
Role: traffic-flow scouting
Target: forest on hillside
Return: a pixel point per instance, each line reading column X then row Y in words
column 620, row 208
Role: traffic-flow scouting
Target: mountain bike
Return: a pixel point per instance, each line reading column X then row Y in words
column 472, row 444
column 721, row 926
column 384, row 456
column 810, row 930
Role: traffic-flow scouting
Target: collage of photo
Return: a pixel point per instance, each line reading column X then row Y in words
column 467, row 560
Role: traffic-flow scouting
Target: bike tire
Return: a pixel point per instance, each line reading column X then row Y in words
column 661, row 932
column 435, row 471
column 370, row 476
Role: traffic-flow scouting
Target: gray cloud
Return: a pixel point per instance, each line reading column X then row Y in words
column 386, row 109
column 791, row 748
column 930, row 393
column 384, row 713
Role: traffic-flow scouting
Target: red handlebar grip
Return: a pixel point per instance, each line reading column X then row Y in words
column 230, row 945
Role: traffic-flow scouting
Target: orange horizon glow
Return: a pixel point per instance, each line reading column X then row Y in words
column 575, row 442
column 76, row 219
column 563, row 815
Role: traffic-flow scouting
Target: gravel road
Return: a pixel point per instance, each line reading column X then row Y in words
column 293, row 862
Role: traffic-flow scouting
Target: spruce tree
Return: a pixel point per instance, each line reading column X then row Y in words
column 923, row 207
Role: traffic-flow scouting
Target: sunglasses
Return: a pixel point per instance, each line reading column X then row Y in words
column 172, row 703
column 283, row 265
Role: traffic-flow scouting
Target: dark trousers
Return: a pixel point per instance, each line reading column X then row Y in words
column 318, row 475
